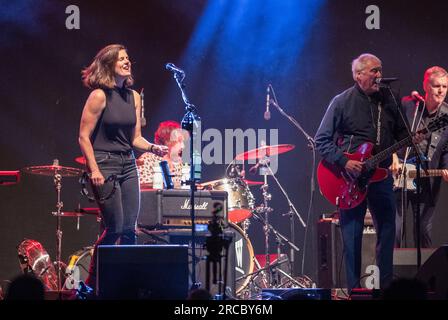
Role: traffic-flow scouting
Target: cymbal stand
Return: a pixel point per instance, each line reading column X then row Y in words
column 59, row 204
column 291, row 212
column 281, row 239
column 264, row 208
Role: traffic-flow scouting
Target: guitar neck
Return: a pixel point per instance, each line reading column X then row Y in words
column 374, row 161
column 428, row 173
column 437, row 124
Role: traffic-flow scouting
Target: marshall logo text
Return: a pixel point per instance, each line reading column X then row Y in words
column 197, row 206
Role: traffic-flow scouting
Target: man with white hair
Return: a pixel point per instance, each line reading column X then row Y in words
column 363, row 113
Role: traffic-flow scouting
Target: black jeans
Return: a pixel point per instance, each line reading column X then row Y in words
column 427, row 209
column 118, row 200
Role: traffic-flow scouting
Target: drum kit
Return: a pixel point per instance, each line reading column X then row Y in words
column 32, row 256
column 250, row 274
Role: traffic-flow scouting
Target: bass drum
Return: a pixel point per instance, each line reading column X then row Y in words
column 242, row 255
column 78, row 268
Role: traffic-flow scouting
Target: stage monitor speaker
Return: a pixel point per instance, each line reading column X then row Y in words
column 434, row 274
column 183, row 237
column 405, row 261
column 154, row 272
column 331, row 264
column 296, row 294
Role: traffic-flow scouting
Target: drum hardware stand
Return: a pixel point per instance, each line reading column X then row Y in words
column 155, row 234
column 191, row 123
column 266, row 170
column 59, row 205
column 279, row 239
column 267, row 268
column 291, row 212
column 264, row 208
column 215, row 244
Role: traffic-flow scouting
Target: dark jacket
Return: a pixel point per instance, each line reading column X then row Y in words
column 352, row 118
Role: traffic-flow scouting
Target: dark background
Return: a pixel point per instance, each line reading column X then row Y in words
column 230, row 51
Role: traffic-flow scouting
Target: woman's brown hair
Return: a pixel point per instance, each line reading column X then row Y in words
column 101, row 72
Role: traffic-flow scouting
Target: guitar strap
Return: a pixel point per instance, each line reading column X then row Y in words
column 378, row 127
column 378, row 122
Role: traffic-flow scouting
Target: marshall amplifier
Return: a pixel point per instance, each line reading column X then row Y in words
column 171, row 208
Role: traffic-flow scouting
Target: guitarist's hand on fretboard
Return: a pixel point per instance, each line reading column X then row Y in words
column 419, row 137
column 445, row 175
column 396, row 167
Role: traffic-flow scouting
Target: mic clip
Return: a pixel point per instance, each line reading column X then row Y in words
column 261, row 163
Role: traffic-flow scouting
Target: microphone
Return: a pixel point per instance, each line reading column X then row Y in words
column 385, row 80
column 267, row 113
column 170, row 66
column 142, row 116
column 416, row 96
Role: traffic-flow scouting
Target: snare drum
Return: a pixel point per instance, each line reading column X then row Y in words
column 240, row 199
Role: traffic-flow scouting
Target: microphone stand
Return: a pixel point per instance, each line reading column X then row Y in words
column 312, row 146
column 190, row 123
column 418, row 168
column 403, row 178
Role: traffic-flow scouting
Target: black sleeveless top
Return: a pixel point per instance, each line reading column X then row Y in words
column 113, row 131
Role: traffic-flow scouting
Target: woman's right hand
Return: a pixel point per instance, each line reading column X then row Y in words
column 159, row 150
column 97, row 178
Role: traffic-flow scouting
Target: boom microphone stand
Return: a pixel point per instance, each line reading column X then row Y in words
column 312, row 146
column 190, row 122
column 419, row 162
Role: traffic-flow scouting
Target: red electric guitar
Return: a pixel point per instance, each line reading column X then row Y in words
column 335, row 183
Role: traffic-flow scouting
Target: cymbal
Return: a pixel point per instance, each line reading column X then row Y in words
column 208, row 183
column 259, row 153
column 253, row 183
column 51, row 170
column 69, row 214
column 79, row 212
column 213, row 182
column 90, row 211
column 81, row 160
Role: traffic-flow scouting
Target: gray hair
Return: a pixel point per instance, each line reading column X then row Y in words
column 359, row 63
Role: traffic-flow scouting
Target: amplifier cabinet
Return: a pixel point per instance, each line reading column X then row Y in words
column 160, row 208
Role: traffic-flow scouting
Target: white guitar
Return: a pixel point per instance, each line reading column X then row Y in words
column 401, row 180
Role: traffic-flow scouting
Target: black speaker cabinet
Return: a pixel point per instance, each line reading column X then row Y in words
column 155, row 272
column 240, row 260
column 331, row 264
column 405, row 261
column 434, row 273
